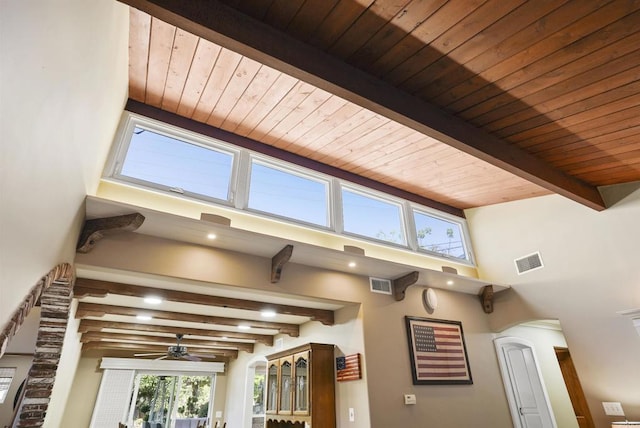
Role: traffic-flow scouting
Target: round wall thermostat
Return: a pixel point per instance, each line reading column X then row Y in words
column 430, row 299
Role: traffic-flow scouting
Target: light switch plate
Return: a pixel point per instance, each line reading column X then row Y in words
column 612, row 408
column 352, row 414
column 409, row 399
column 218, row 413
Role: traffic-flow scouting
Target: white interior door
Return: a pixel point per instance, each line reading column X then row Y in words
column 526, row 393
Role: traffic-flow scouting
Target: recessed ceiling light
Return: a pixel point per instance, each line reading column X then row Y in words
column 268, row 313
column 144, row 317
column 352, row 264
column 450, row 282
column 224, row 338
column 244, row 327
column 153, row 300
column 211, row 236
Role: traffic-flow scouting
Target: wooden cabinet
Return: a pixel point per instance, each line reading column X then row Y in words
column 301, row 388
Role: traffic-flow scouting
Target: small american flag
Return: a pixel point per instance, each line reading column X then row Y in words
column 348, row 367
column 438, row 351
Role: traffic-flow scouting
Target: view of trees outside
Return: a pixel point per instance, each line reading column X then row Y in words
column 158, row 396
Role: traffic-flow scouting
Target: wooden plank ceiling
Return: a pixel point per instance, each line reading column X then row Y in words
column 557, row 80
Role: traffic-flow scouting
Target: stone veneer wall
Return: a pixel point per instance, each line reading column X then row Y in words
column 55, row 293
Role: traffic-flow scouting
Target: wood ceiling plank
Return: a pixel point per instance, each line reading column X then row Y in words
column 573, row 122
column 295, row 97
column 341, row 17
column 586, row 35
column 319, row 116
column 168, row 340
column 449, row 87
column 626, row 136
column 598, row 58
column 227, row 27
column 504, row 109
column 323, row 133
column 615, row 175
column 590, row 108
column 279, row 90
column 363, row 28
column 98, row 288
column 139, row 34
column 282, row 12
column 399, row 69
column 392, row 33
column 161, row 41
column 487, row 41
column 182, row 57
column 242, row 77
column 87, row 325
column 440, row 49
column 620, row 120
column 255, row 8
column 91, row 309
column 225, row 66
column 204, row 60
column 258, row 88
column 277, row 135
column 309, row 17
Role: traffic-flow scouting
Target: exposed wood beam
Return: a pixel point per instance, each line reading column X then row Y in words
column 278, row 261
column 98, row 325
column 94, row 336
column 95, row 229
column 486, row 298
column 227, row 27
column 401, row 284
column 95, row 310
column 210, row 353
column 97, row 288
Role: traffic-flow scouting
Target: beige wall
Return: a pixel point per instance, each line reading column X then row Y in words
column 590, row 273
column 57, row 123
column 386, row 355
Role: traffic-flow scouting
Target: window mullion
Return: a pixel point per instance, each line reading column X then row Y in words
column 240, row 191
column 335, row 207
column 410, row 224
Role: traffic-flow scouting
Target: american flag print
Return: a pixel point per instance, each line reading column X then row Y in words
column 438, row 352
column 348, row 367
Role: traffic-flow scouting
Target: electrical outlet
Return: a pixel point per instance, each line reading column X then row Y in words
column 612, row 408
column 409, row 399
column 352, row 415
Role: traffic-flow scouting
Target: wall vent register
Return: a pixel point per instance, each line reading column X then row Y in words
column 529, row 263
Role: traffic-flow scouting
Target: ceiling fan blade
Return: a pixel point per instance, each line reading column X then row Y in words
column 191, row 357
column 160, row 358
column 148, row 355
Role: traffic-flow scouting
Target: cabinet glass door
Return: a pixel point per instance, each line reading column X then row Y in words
column 286, row 385
column 301, row 393
column 272, row 387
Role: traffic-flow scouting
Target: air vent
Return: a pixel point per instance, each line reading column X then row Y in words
column 379, row 285
column 529, row 263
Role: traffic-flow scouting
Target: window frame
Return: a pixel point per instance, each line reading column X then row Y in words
column 113, row 169
column 240, row 181
column 381, row 197
column 295, row 171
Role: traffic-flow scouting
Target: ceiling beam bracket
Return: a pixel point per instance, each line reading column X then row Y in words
column 278, row 261
column 95, row 229
column 401, row 284
column 486, row 298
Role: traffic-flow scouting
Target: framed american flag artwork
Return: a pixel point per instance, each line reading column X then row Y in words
column 438, row 353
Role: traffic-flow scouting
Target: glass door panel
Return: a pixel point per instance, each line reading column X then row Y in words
column 286, row 385
column 301, row 393
column 272, row 388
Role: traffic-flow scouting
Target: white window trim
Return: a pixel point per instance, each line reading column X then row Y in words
column 239, row 182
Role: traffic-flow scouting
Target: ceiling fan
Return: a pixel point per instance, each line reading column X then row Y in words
column 176, row 351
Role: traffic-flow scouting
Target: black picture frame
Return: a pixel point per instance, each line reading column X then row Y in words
column 438, row 352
